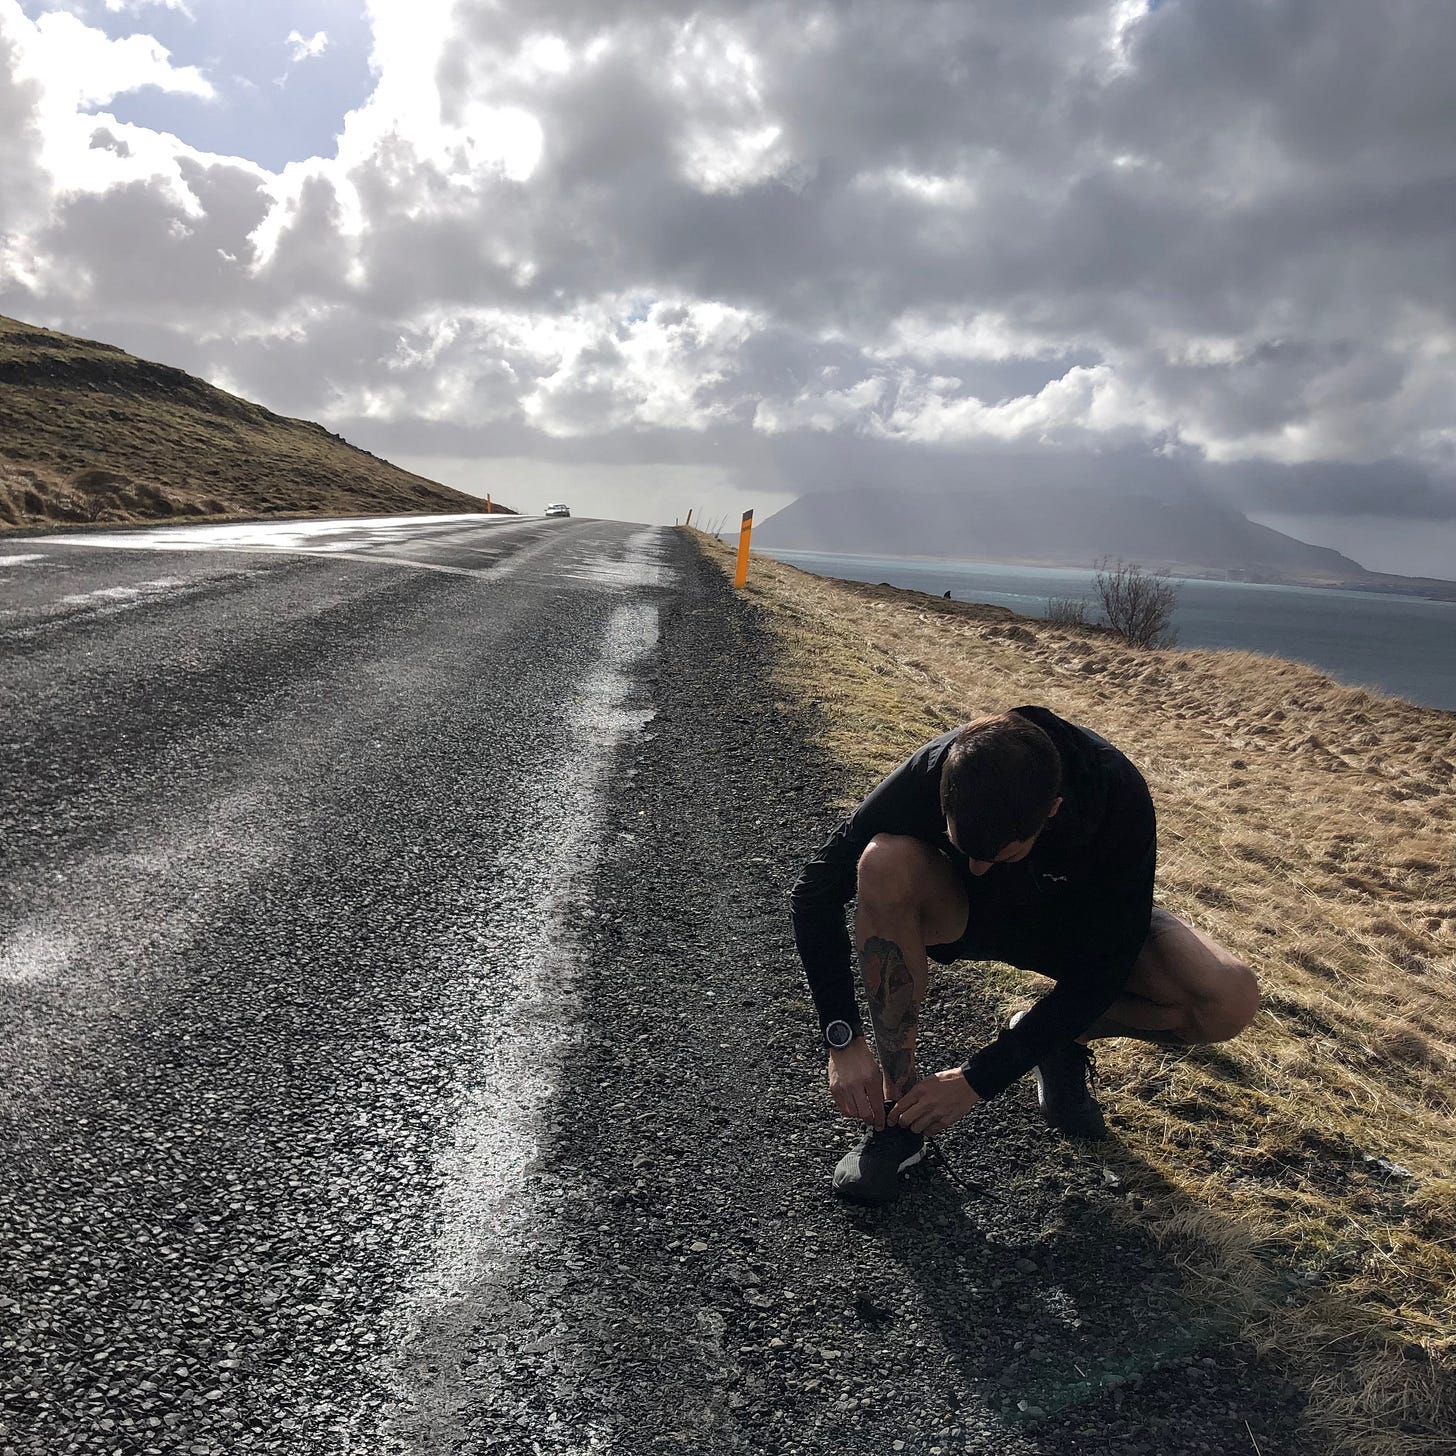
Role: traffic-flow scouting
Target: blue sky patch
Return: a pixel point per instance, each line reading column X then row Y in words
column 272, row 105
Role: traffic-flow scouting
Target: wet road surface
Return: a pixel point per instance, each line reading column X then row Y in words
column 285, row 836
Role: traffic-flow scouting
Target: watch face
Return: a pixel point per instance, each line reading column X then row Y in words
column 839, row 1034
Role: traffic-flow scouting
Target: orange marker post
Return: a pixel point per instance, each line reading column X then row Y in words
column 745, row 531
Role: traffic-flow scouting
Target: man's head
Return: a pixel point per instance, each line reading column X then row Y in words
column 998, row 787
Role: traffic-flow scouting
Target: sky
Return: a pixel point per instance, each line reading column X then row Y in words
column 646, row 255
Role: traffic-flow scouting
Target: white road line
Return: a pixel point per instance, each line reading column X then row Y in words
column 310, row 538
column 81, row 608
column 301, row 536
column 488, row 1211
column 122, row 595
column 516, row 560
column 21, row 560
column 363, row 556
column 329, row 554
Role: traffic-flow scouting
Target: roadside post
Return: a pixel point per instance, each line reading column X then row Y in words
column 745, row 531
column 489, row 509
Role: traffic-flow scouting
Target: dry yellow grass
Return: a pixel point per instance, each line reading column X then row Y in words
column 1309, row 827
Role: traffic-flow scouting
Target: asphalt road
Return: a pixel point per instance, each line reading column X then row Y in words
column 285, row 836
column 401, row 1047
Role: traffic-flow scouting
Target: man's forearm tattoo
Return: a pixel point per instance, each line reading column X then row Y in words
column 891, row 991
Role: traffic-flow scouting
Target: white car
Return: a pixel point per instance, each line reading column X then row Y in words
column 557, row 509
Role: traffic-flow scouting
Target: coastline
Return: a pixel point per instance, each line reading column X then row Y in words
column 1379, row 583
column 1393, row 645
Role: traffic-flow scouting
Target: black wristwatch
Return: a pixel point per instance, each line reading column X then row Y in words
column 838, row 1035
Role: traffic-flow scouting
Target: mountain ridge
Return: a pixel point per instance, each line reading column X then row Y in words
column 1194, row 535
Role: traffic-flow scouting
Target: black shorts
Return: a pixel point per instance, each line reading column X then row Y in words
column 1025, row 945
column 1007, row 927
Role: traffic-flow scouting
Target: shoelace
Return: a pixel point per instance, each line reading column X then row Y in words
column 1089, row 1058
column 952, row 1172
column 1084, row 1055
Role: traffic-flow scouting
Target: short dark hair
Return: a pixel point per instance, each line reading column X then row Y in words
column 998, row 784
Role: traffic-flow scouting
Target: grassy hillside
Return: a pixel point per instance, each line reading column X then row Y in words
column 90, row 433
column 1302, row 1174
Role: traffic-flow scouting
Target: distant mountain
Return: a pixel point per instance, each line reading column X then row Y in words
column 1058, row 525
column 90, row 433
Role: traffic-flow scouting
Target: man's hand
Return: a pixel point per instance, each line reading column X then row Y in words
column 855, row 1083
column 935, row 1104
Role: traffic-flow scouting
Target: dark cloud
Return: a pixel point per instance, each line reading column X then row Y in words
column 1337, row 91
column 310, row 259
column 1393, row 488
column 168, row 254
column 105, row 139
column 20, row 142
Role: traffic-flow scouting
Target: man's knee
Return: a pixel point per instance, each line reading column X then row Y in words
column 906, row 881
column 892, row 870
column 1222, row 1018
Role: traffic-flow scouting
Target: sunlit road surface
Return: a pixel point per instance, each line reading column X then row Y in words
column 287, row 816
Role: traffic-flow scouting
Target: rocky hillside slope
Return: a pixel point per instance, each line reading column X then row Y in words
column 90, row 433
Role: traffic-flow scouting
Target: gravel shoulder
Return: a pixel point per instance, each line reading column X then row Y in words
column 678, row 1277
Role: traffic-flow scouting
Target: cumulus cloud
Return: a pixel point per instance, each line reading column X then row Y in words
column 124, row 7
column 791, row 236
column 85, row 67
column 305, row 48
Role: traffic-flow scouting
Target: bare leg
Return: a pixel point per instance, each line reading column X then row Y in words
column 1185, row 989
column 908, row 898
column 896, row 994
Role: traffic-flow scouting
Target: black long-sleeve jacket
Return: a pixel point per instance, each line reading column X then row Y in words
column 1086, row 886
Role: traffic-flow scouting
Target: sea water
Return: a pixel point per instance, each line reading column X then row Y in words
column 1403, row 646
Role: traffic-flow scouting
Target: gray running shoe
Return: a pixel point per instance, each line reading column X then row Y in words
column 870, row 1172
column 1063, row 1093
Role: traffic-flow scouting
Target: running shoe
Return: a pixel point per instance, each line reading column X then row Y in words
column 1063, row 1092
column 870, row 1172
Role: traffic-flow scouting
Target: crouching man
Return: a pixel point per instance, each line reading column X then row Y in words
column 1019, row 838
